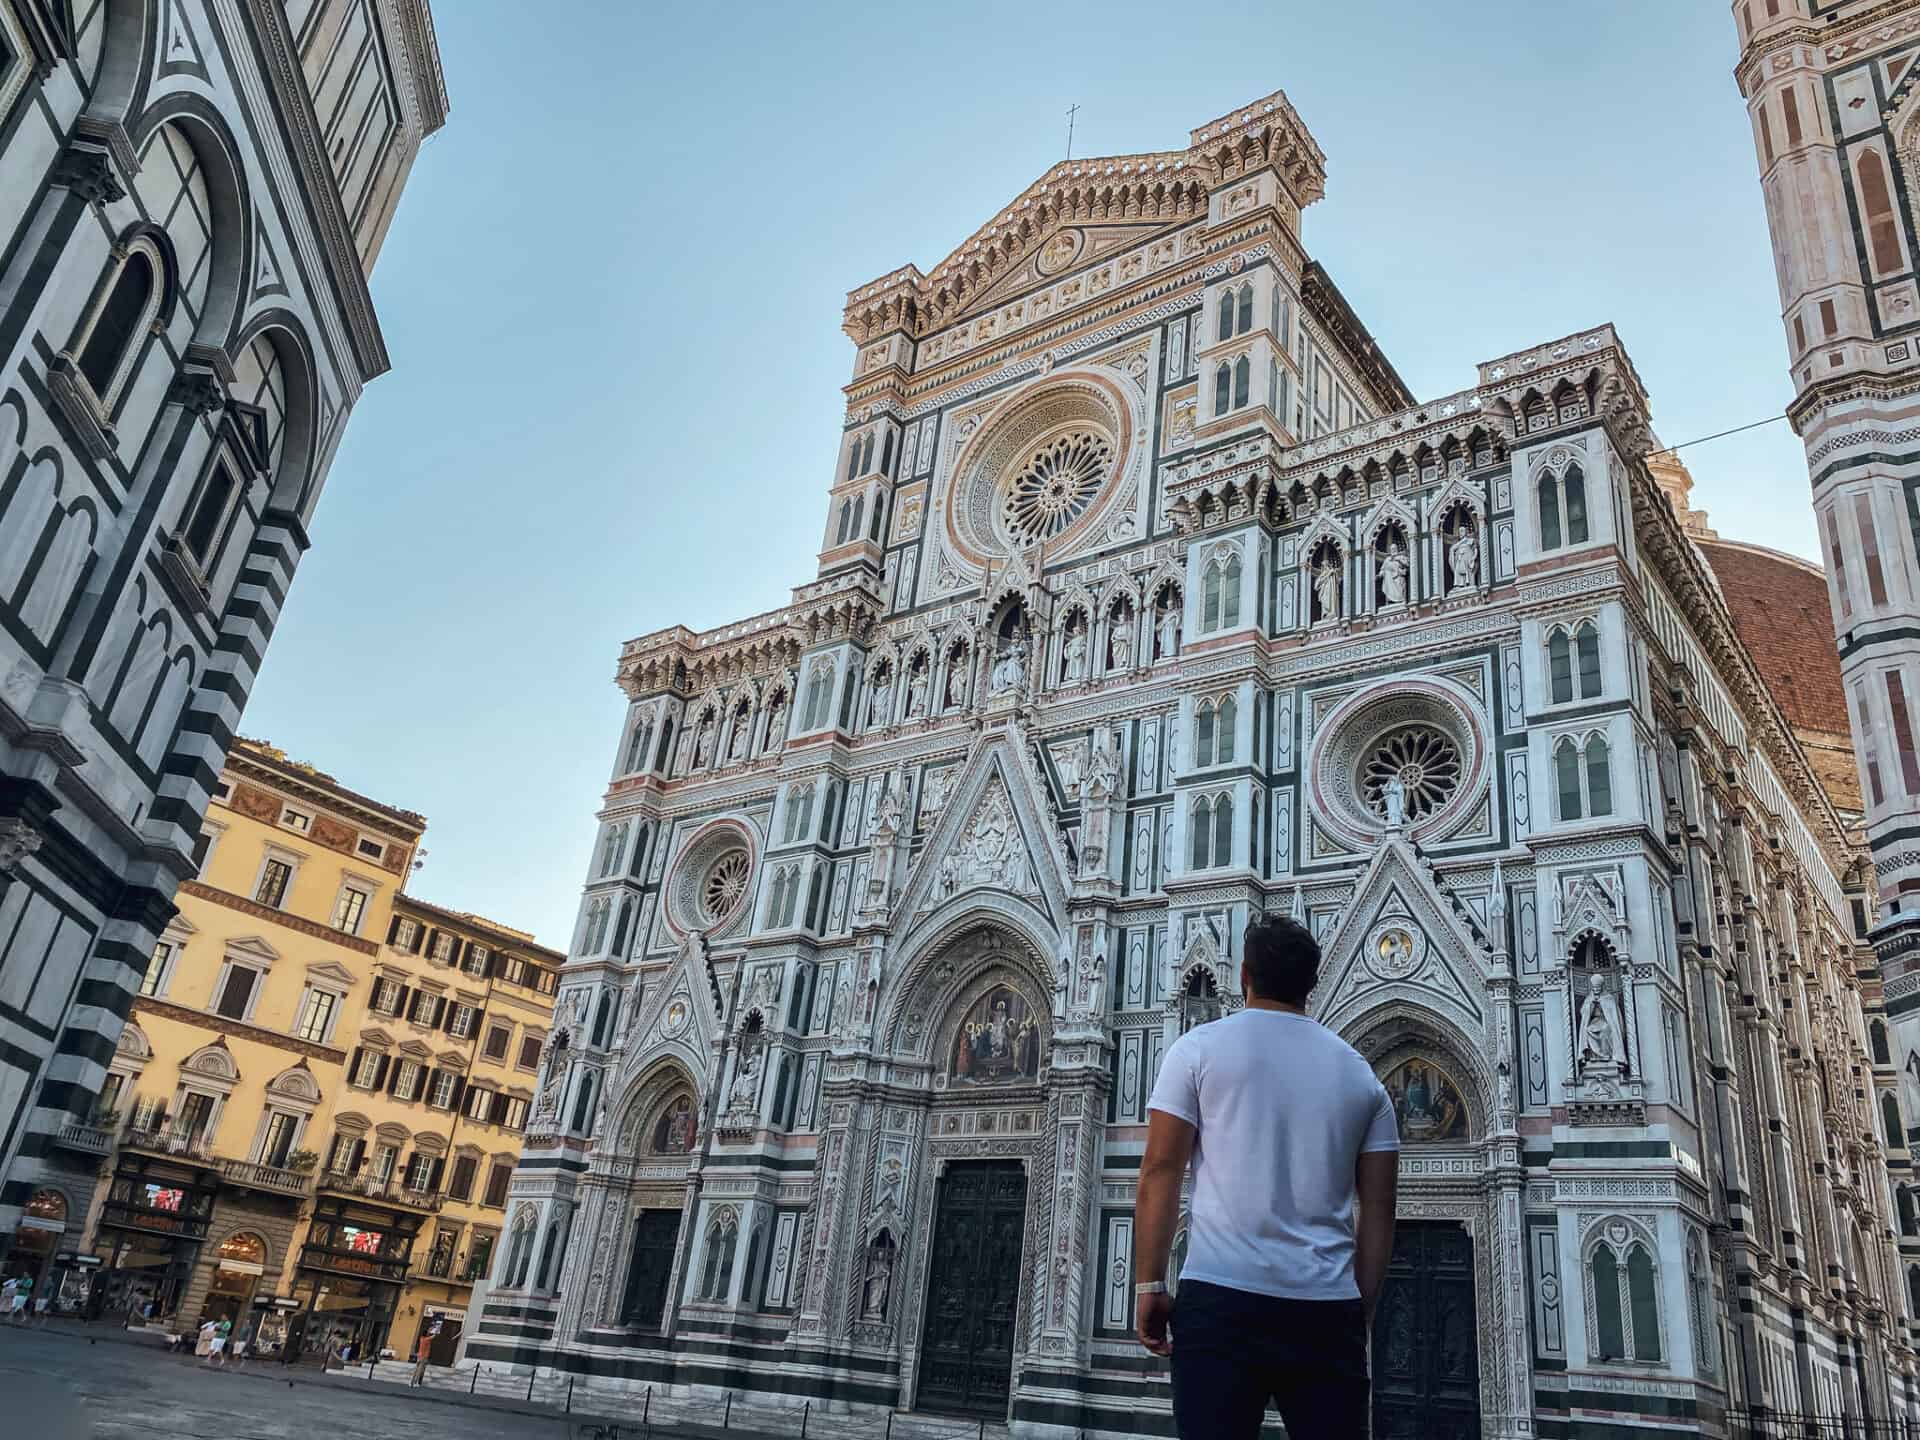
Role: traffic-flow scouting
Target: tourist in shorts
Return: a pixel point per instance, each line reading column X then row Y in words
column 22, row 1295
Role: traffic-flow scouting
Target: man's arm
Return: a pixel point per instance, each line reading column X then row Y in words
column 1376, row 1179
column 1156, row 1210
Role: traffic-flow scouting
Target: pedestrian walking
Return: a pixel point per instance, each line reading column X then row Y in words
column 217, row 1348
column 1288, row 1131
column 22, row 1297
column 7, row 1292
column 242, row 1341
column 203, row 1343
column 423, row 1350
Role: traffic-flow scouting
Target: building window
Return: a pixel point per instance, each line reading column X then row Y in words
column 385, row 1158
column 445, row 1082
column 1870, row 549
column 316, row 1015
column 296, row 819
column 209, row 512
column 476, row 961
column 419, row 1171
column 479, row 1103
column 366, row 1071
column 406, row 1080
column 1869, row 747
column 371, row 849
column 461, row 1025
column 1903, row 732
column 1583, row 777
column 349, row 910
column 529, row 1053
column 1211, row 837
column 277, row 1143
column 1876, row 204
column 498, row 1039
column 1563, row 509
column 1626, row 1307
column 1562, row 654
column 1220, row 593
column 1837, row 560
column 1213, row 729
column 113, row 333
column 386, row 997
column 275, row 876
column 497, row 1181
column 238, row 984
column 443, row 947
column 405, row 933
column 511, row 1113
column 721, row 1238
column 460, row 1187
column 159, row 970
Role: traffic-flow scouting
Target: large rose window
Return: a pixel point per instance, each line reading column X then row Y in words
column 1426, row 762
column 724, row 887
column 1416, row 745
column 1055, row 486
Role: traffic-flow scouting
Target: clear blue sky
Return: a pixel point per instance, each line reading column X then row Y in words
column 613, row 293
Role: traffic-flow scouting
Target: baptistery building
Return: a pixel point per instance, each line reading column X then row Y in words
column 1148, row 600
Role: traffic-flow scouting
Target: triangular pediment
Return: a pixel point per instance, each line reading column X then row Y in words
column 331, row 972
column 991, row 834
column 1401, row 940
column 676, row 1016
column 252, row 947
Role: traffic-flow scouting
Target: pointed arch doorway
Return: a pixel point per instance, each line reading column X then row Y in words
column 1426, row 1351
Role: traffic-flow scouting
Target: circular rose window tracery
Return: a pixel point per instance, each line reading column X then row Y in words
column 1426, row 762
column 724, row 887
column 1053, row 489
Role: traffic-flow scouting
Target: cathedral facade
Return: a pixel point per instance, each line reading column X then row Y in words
column 1149, row 600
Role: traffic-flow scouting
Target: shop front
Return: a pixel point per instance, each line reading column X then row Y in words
column 352, row 1270
column 150, row 1230
column 238, row 1263
column 42, row 1231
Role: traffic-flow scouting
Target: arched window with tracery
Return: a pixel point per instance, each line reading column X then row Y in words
column 1890, row 1120
column 1576, row 497
column 1200, row 833
column 1244, row 320
column 1220, row 592
column 1242, row 381
column 1599, row 775
column 520, row 1252
column 1222, row 388
column 1204, row 720
column 1547, row 491
column 1223, row 320
column 723, row 1233
column 1624, row 1318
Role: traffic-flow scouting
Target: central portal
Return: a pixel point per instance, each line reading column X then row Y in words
column 1426, row 1351
column 973, row 1284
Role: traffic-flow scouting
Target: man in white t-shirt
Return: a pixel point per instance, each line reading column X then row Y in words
column 1289, row 1131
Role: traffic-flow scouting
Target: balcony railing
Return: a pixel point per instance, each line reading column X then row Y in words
column 390, row 1191
column 275, row 1179
column 181, row 1144
column 87, row 1139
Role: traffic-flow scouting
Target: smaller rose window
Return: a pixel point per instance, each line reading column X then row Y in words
column 1426, row 762
column 725, row 886
column 1056, row 485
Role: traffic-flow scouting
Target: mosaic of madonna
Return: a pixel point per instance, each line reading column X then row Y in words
column 1427, row 1102
column 998, row 1042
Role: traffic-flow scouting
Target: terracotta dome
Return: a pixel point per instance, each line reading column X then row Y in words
column 1780, row 608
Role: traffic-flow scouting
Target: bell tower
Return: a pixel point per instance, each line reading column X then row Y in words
column 1829, row 90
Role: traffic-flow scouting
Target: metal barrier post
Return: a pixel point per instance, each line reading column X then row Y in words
column 569, row 1394
column 370, row 1364
column 807, row 1414
column 474, row 1384
column 726, row 1421
column 532, row 1375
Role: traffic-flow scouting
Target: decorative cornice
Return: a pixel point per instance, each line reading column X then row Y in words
column 280, row 64
column 239, row 1029
column 206, row 892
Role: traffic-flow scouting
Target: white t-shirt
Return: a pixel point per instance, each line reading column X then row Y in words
column 1283, row 1108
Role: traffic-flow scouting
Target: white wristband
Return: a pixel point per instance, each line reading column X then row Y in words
column 1151, row 1287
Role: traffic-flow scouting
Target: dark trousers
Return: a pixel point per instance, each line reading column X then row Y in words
column 1233, row 1351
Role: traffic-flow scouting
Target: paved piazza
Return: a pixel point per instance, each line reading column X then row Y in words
column 117, row 1391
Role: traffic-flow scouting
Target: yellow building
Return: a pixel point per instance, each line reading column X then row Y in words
column 448, row 1052
column 318, row 1094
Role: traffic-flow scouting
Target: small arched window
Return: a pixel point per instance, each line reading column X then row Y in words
column 1587, row 646
column 209, row 509
column 1245, row 322
column 1223, row 325
column 548, row 1254
column 1229, row 715
column 520, row 1254
column 1201, row 840
column 1566, row 778
column 1560, row 668
column 886, row 452
column 1548, row 491
column 859, row 508
column 1203, row 731
column 1877, row 1037
column 879, row 509
column 1242, row 381
column 1876, row 205
column 1222, row 389
column 1223, row 830
column 637, row 747
column 583, row 1104
column 1913, row 1289
column 1576, row 506
column 1599, row 778
column 718, row 1274
column 114, row 331
column 846, row 519
column 1230, row 593
column 1890, row 1116
column 1210, row 599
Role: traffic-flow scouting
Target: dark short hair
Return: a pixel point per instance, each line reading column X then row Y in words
column 1282, row 959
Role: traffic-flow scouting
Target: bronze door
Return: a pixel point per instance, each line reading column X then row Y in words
column 655, row 1234
column 1426, row 1352
column 973, row 1287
